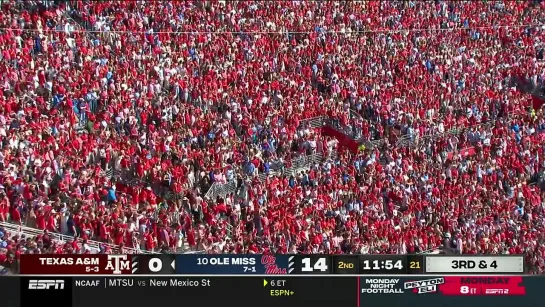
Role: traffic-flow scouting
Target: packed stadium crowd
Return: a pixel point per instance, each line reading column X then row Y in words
column 272, row 127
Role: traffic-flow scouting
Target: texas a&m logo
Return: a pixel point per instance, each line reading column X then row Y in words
column 118, row 264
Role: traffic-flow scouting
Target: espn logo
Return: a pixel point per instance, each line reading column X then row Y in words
column 45, row 284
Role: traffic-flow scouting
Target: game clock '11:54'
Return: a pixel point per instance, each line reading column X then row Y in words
column 386, row 264
column 391, row 264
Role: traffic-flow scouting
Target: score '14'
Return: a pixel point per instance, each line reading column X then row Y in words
column 319, row 265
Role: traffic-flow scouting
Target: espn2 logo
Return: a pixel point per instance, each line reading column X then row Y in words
column 44, row 284
column 497, row 291
column 424, row 286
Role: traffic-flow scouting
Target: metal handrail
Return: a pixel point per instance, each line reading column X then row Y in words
column 303, row 162
column 407, row 141
column 314, row 122
column 94, row 245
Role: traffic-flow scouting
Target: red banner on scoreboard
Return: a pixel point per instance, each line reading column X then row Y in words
column 76, row 264
column 482, row 285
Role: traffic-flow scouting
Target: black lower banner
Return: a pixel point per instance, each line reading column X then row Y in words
column 210, row 291
column 216, row 291
column 285, row 291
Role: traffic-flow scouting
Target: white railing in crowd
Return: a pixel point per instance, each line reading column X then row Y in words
column 314, row 122
column 433, row 251
column 221, row 189
column 413, row 140
column 93, row 245
column 297, row 165
column 354, row 114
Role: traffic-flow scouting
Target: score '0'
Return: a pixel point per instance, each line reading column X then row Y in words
column 155, row 265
